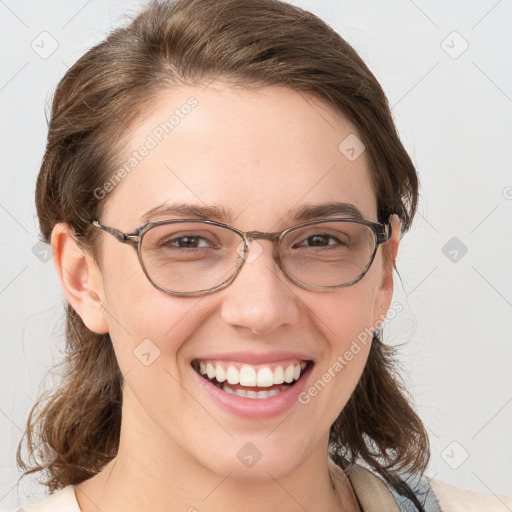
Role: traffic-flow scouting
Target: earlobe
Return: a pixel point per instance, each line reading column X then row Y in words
column 80, row 278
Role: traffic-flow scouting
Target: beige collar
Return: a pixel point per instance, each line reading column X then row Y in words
column 371, row 491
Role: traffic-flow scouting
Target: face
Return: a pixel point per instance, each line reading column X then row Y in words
column 259, row 155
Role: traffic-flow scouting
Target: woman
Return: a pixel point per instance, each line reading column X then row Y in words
column 234, row 359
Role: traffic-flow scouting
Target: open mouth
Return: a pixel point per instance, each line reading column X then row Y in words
column 252, row 381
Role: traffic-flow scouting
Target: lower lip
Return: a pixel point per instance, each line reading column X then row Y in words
column 255, row 408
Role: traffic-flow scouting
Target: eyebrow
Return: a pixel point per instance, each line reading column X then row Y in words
column 313, row 211
column 301, row 213
column 196, row 211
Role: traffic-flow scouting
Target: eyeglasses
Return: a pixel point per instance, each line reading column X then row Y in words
column 190, row 257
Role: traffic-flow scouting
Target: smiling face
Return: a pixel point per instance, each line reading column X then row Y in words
column 259, row 157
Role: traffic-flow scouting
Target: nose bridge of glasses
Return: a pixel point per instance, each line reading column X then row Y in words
column 249, row 236
column 261, row 235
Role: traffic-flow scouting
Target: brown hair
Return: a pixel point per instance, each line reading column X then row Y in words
column 248, row 43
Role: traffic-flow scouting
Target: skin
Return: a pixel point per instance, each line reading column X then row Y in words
column 259, row 153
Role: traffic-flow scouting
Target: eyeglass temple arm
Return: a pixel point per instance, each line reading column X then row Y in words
column 387, row 232
column 125, row 239
column 383, row 232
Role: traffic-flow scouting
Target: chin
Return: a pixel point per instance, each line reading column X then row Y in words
column 255, row 457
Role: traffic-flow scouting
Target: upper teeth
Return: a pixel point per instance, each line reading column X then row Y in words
column 263, row 377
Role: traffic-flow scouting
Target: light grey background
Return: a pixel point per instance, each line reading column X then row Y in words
column 453, row 109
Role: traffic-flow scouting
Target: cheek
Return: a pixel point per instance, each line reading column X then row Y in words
column 345, row 319
column 141, row 318
column 149, row 330
column 346, row 313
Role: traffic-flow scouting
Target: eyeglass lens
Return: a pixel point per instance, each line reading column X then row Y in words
column 194, row 256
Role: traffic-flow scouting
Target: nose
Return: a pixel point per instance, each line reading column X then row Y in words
column 260, row 298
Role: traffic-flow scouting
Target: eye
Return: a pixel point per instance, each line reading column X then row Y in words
column 323, row 240
column 186, row 241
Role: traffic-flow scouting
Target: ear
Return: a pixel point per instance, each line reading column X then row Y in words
column 390, row 252
column 80, row 278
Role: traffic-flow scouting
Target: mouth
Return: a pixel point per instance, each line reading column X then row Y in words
column 253, row 381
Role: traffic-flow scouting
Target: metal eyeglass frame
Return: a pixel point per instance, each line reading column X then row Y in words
column 382, row 233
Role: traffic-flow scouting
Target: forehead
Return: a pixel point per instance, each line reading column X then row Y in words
column 258, row 154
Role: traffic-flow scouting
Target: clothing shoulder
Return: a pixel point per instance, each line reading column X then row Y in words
column 375, row 496
column 371, row 491
column 454, row 499
column 62, row 501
